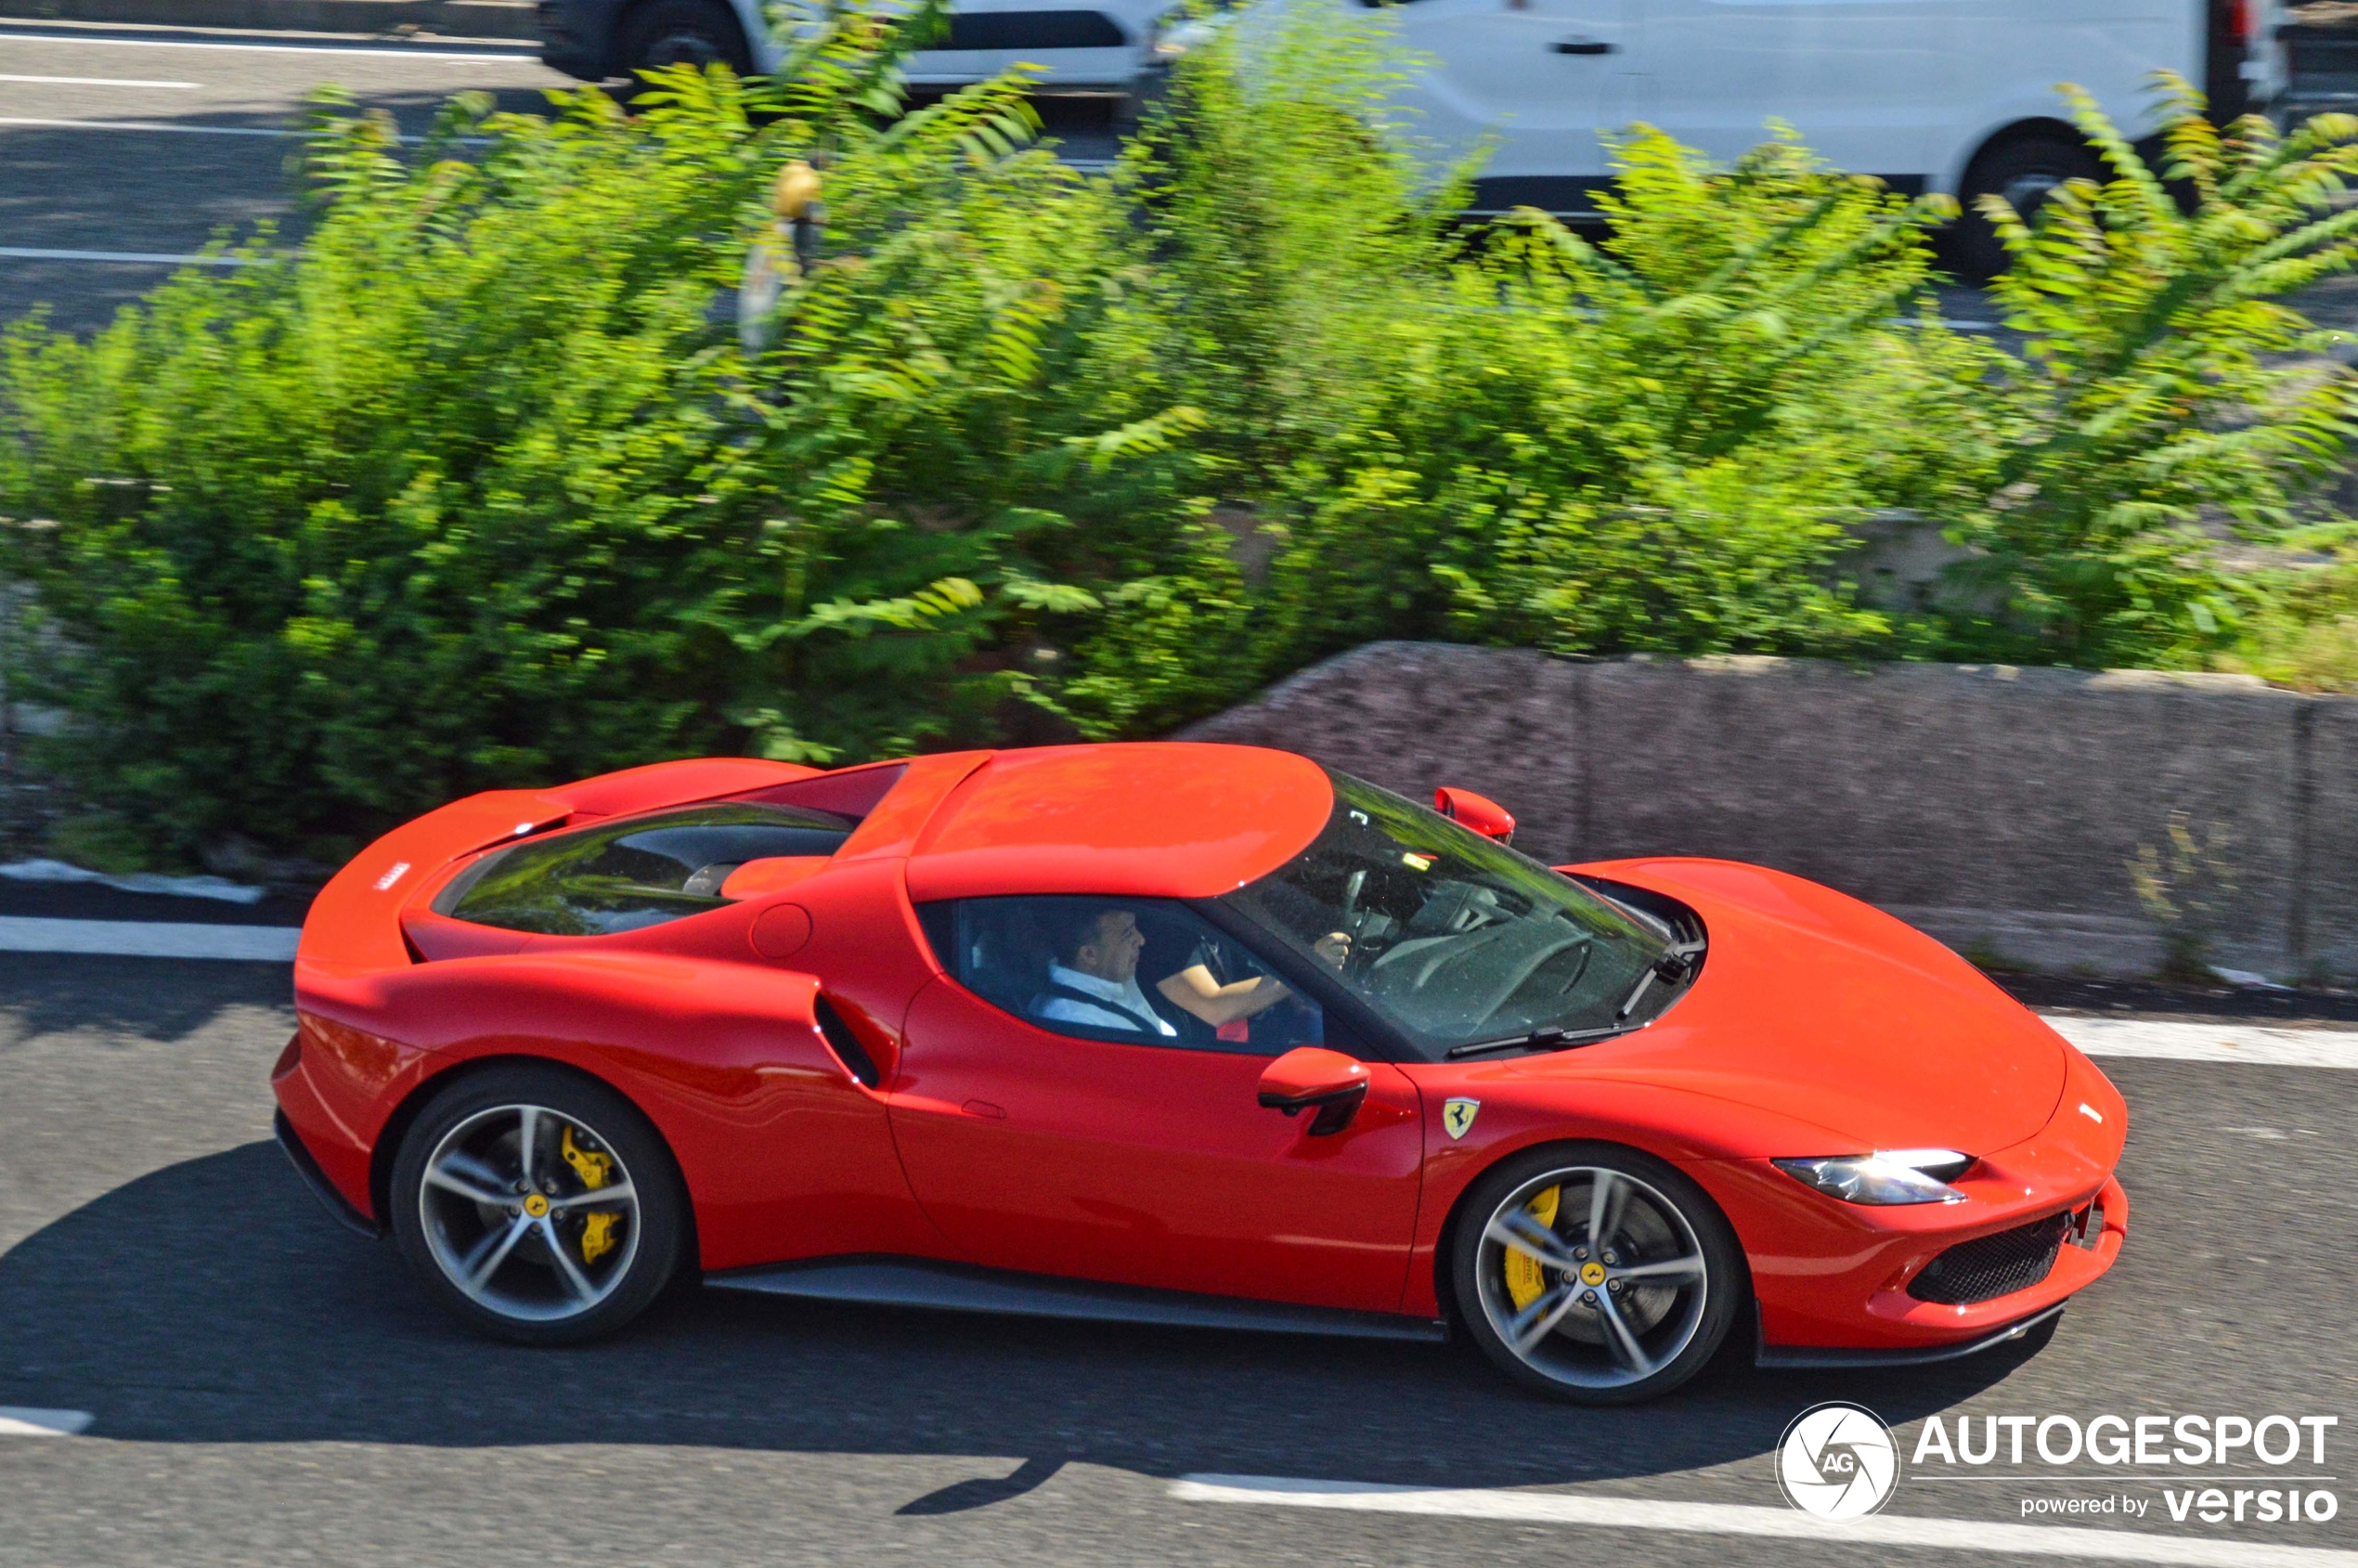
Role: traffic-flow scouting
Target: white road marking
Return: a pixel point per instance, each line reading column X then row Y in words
column 24, row 1420
column 1731, row 1519
column 524, row 54
column 39, row 122
column 149, row 938
column 152, row 258
column 2255, row 1045
column 97, row 82
column 44, row 123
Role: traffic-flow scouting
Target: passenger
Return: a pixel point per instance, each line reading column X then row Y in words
column 1093, row 979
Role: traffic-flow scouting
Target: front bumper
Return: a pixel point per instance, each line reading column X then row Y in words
column 1832, row 1278
column 1843, row 1286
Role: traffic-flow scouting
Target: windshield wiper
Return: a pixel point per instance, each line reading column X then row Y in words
column 1548, row 1039
column 1671, row 967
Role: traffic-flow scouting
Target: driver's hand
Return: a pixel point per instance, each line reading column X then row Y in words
column 1333, row 949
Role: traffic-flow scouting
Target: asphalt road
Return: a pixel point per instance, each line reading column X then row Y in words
column 267, row 1388
column 149, row 142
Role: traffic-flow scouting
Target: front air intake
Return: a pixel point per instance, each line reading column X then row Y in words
column 1989, row 1267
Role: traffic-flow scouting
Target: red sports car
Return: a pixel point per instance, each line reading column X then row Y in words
column 1178, row 1034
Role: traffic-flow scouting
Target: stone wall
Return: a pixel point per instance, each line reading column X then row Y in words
column 1996, row 808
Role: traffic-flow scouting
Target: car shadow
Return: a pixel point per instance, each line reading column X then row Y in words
column 211, row 1301
column 137, row 1001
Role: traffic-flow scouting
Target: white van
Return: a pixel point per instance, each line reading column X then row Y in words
column 1954, row 95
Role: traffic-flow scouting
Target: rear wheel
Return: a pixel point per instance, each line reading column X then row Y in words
column 2024, row 170
column 537, row 1205
column 1595, row 1274
column 697, row 32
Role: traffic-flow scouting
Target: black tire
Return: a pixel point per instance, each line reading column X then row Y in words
column 529, row 1295
column 697, row 32
column 1654, row 1216
column 2022, row 169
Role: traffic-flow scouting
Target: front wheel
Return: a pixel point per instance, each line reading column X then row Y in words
column 698, row 32
column 2025, row 170
column 1595, row 1273
column 537, row 1205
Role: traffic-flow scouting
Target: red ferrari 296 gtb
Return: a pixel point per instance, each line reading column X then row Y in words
column 1178, row 1034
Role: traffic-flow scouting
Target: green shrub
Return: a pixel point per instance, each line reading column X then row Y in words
column 1657, row 446
column 2163, row 387
column 477, row 490
column 2301, row 627
column 1510, row 436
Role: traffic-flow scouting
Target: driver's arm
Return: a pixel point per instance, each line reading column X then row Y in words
column 1196, row 990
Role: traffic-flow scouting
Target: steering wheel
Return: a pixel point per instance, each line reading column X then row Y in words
column 1354, row 925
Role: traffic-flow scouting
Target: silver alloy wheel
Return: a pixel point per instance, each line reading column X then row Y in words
column 510, row 1216
column 1622, row 1281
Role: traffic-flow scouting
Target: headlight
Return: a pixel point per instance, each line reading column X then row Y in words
column 1893, row 1175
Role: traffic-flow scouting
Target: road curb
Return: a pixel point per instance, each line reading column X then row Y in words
column 453, row 18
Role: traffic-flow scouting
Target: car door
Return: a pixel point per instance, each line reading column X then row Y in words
column 1869, row 85
column 1540, row 79
column 1080, row 1146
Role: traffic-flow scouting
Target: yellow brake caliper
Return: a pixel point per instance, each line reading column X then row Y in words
column 1524, row 1279
column 595, row 1171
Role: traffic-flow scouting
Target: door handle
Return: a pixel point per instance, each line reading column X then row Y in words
column 1581, row 47
column 985, row 1110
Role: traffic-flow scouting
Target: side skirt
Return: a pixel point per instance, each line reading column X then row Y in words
column 1794, row 1357
column 913, row 1282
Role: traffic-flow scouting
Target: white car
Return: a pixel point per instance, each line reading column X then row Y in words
column 1102, row 45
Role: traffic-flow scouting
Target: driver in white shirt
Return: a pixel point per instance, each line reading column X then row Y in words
column 1094, row 979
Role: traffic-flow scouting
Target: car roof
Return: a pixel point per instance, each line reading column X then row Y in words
column 1174, row 819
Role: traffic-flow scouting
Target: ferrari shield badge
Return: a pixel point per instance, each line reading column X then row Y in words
column 1457, row 1116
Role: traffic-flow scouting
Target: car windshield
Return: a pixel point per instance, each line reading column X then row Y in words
column 1451, row 938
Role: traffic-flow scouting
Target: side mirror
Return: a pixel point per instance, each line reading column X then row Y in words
column 1311, row 1077
column 1479, row 812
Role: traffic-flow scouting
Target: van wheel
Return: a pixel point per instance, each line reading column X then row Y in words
column 698, row 32
column 2023, row 169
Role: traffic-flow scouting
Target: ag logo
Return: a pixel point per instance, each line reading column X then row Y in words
column 1837, row 1462
column 1457, row 1116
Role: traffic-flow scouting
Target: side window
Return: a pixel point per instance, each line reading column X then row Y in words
column 623, row 876
column 1140, row 971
